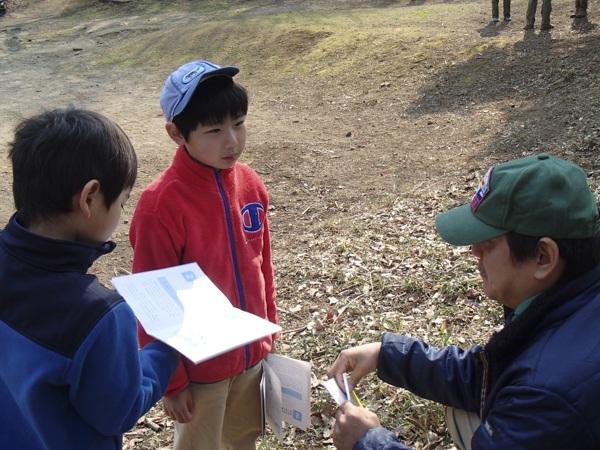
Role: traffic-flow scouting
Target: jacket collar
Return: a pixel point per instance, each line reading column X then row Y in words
column 50, row 254
column 550, row 307
column 194, row 173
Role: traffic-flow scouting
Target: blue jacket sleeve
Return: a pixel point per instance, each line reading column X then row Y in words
column 450, row 376
column 112, row 383
column 379, row 439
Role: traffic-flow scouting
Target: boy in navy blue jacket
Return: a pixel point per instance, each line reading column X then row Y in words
column 71, row 375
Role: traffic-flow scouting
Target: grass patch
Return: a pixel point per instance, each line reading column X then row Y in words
column 324, row 44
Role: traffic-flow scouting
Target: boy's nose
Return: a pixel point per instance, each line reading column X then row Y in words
column 231, row 140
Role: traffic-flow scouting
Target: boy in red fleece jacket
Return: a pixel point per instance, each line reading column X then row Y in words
column 210, row 209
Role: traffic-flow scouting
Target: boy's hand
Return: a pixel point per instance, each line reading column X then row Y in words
column 360, row 361
column 351, row 423
column 180, row 407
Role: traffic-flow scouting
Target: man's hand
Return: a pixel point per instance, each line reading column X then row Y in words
column 351, row 423
column 180, row 407
column 360, row 361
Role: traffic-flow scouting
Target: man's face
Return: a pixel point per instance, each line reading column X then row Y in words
column 503, row 281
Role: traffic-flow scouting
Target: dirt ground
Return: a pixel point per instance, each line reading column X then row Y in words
column 340, row 156
column 314, row 144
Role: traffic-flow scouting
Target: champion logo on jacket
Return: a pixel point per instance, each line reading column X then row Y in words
column 253, row 218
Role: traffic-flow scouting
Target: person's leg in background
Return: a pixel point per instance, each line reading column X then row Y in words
column 531, row 9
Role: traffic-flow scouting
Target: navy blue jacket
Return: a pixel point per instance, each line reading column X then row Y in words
column 71, row 375
column 535, row 385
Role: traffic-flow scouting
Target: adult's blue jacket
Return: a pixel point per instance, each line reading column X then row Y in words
column 535, row 385
column 71, row 376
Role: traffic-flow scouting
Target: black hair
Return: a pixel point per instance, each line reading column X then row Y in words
column 214, row 100
column 580, row 255
column 54, row 154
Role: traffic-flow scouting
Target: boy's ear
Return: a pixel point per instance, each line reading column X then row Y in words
column 86, row 198
column 175, row 134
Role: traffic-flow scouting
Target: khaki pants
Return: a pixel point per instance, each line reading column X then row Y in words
column 496, row 9
column 227, row 414
column 546, row 10
column 462, row 426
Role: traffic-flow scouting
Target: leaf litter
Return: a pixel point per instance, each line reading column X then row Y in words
column 349, row 280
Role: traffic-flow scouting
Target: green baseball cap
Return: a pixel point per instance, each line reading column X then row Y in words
column 538, row 196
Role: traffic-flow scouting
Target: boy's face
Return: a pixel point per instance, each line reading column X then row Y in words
column 219, row 145
column 103, row 222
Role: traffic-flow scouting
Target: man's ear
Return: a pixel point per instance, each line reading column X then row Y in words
column 85, row 199
column 549, row 263
column 175, row 134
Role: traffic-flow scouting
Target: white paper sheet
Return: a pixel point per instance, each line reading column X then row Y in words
column 338, row 394
column 335, row 391
column 183, row 308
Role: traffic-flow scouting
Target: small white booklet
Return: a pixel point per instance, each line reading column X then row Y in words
column 181, row 307
column 341, row 396
column 285, row 389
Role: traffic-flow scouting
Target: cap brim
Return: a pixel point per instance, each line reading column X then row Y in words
column 459, row 226
column 229, row 71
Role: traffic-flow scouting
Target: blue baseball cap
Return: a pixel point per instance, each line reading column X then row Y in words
column 182, row 83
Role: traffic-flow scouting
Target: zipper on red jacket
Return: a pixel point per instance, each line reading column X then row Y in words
column 231, row 242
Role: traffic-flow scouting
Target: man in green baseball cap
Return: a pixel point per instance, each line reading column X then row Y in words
column 533, row 225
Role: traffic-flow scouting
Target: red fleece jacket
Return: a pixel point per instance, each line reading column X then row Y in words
column 217, row 218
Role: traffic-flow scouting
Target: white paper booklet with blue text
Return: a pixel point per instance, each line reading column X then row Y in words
column 181, row 307
column 285, row 393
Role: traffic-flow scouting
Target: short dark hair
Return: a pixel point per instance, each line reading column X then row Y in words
column 54, row 154
column 580, row 255
column 213, row 101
